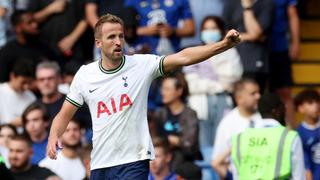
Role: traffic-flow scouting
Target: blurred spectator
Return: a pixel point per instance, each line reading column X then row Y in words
column 68, row 164
column 160, row 168
column 21, row 4
column 158, row 26
column 286, row 18
column 200, row 9
column 19, row 156
column 271, row 151
column 97, row 8
column 188, row 171
column 6, row 9
column 308, row 103
column 69, row 70
column 245, row 115
column 7, row 131
column 48, row 77
column 4, row 171
column 177, row 121
column 210, row 82
column 62, row 24
column 15, row 95
column 35, row 122
column 253, row 19
column 25, row 46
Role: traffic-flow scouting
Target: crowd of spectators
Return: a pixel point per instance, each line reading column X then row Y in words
column 192, row 113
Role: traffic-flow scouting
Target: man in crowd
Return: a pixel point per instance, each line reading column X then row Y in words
column 26, row 44
column 68, row 165
column 20, row 152
column 15, row 95
column 245, row 115
column 160, row 168
column 48, row 77
column 36, row 122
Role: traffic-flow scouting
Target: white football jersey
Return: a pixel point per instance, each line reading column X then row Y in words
column 117, row 100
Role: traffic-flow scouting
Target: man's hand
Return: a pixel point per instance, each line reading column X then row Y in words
column 232, row 38
column 57, row 6
column 165, row 30
column 53, row 145
column 66, row 43
column 294, row 51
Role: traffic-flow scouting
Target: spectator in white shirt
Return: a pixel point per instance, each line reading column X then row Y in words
column 15, row 95
column 247, row 95
column 68, row 165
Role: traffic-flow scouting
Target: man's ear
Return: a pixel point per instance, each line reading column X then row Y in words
column 98, row 43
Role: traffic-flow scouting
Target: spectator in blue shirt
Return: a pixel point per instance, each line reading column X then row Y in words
column 308, row 103
column 282, row 52
column 160, row 167
column 158, row 24
column 35, row 122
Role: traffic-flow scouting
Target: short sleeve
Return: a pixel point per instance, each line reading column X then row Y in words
column 74, row 96
column 186, row 10
column 153, row 65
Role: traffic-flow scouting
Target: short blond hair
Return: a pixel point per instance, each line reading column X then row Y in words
column 108, row 18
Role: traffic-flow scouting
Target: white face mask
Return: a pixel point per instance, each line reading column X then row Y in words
column 210, row 36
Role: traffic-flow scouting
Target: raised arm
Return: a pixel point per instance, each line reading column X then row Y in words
column 198, row 54
column 59, row 125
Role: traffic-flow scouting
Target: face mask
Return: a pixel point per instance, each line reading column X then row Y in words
column 210, row 36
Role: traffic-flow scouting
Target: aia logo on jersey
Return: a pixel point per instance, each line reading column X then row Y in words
column 112, row 104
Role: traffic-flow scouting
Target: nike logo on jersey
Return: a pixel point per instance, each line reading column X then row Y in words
column 91, row 91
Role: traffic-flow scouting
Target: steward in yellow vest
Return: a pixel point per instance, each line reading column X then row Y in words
column 267, row 153
column 263, row 153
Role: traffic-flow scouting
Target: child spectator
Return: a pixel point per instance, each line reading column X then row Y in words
column 308, row 103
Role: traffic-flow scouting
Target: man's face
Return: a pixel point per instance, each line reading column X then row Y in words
column 311, row 109
column 19, row 154
column 111, row 41
column 47, row 81
column 72, row 136
column 248, row 98
column 36, row 126
column 28, row 24
column 20, row 83
column 161, row 162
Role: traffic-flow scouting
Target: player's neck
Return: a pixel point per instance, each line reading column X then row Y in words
column 176, row 107
column 110, row 64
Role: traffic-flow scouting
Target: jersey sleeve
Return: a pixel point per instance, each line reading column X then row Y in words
column 154, row 65
column 74, row 96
